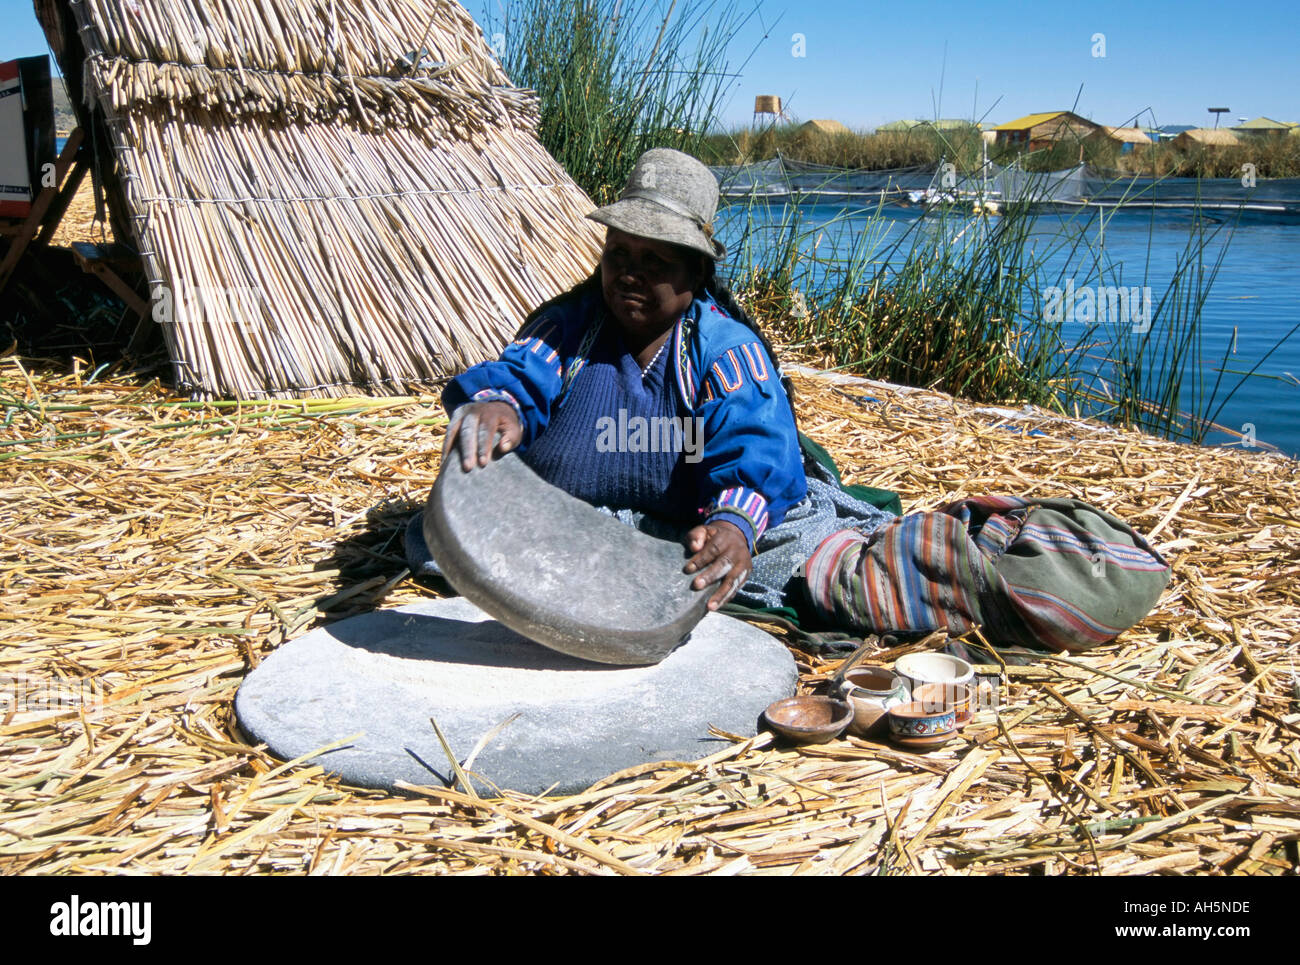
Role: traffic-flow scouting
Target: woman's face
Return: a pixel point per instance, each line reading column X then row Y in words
column 647, row 284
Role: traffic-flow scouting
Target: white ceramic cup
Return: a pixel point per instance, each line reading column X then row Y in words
column 918, row 669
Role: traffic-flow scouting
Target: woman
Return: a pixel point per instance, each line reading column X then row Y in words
column 648, row 392
column 650, row 342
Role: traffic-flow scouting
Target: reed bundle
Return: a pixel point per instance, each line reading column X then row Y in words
column 329, row 198
column 158, row 548
column 311, row 60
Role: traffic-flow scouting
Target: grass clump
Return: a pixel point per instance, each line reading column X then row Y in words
column 615, row 79
column 1273, row 157
column 941, row 307
column 922, row 146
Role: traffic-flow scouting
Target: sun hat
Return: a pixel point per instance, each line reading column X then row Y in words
column 670, row 196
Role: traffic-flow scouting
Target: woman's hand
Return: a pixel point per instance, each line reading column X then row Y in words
column 721, row 553
column 480, row 430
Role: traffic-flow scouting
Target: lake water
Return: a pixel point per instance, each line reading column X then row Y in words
column 1252, row 304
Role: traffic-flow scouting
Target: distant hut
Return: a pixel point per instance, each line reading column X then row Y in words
column 327, row 198
column 1203, row 137
column 1039, row 131
column 899, row 127
column 1126, row 137
column 822, row 126
column 945, row 125
column 1263, row 127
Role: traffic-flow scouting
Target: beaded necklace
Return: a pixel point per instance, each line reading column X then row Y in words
column 645, row 369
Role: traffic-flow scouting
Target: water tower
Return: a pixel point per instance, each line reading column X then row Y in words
column 767, row 104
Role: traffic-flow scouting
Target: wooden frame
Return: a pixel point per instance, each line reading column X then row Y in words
column 49, row 207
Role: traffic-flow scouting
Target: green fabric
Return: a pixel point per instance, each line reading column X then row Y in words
column 824, row 642
column 880, row 498
column 827, row 641
column 1075, row 575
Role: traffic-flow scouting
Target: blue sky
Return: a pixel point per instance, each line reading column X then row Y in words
column 866, row 63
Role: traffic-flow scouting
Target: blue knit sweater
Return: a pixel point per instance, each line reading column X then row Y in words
column 746, row 467
column 620, row 437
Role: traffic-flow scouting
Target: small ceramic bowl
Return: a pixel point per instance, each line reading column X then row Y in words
column 808, row 720
column 919, row 669
column 912, row 725
column 871, row 691
column 938, row 696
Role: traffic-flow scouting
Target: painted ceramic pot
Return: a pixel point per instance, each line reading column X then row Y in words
column 912, row 725
column 871, row 691
column 960, row 698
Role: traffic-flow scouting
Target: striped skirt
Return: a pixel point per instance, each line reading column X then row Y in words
column 1053, row 573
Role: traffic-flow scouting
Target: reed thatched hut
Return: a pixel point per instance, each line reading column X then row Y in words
column 1262, row 127
column 1042, row 131
column 328, row 197
column 899, row 127
column 1128, row 137
column 1202, row 137
column 821, row 125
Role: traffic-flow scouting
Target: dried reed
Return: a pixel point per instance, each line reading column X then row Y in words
column 155, row 549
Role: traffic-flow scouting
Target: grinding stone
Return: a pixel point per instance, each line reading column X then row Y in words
column 385, row 674
column 557, row 570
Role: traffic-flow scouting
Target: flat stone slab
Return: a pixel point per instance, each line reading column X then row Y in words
column 557, row 570
column 385, row 674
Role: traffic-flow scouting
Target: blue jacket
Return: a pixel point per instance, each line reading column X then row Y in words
column 751, row 469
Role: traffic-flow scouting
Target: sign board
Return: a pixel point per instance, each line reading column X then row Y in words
column 26, row 132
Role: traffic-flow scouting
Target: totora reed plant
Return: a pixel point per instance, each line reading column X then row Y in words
column 615, row 79
column 962, row 301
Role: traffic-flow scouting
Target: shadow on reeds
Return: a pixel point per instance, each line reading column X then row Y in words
column 55, row 312
column 371, row 562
